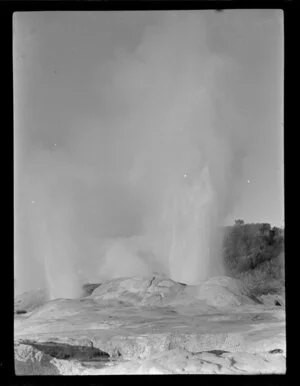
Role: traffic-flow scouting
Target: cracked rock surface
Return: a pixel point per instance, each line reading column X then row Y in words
column 152, row 325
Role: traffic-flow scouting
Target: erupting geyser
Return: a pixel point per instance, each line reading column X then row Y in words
column 152, row 171
column 192, row 207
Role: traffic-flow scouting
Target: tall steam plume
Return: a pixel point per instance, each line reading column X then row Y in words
column 143, row 190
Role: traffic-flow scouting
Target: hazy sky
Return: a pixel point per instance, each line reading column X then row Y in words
column 61, row 60
column 111, row 108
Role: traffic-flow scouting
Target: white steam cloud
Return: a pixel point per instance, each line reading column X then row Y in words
column 144, row 188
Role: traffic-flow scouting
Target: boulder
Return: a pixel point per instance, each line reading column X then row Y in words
column 29, row 360
column 273, row 300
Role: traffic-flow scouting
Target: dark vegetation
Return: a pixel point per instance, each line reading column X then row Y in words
column 254, row 253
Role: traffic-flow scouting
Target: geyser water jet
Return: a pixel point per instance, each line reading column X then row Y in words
column 192, row 207
column 50, row 223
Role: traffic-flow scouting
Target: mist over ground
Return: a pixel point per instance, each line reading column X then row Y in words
column 140, row 183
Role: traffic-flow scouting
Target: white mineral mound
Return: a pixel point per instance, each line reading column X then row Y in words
column 160, row 291
column 217, row 292
column 221, row 291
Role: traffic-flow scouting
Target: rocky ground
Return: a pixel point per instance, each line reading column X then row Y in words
column 151, row 325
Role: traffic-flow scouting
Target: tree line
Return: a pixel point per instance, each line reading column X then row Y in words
column 255, row 252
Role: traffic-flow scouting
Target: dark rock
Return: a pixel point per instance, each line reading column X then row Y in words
column 276, row 351
column 67, row 351
column 89, row 288
column 21, row 312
